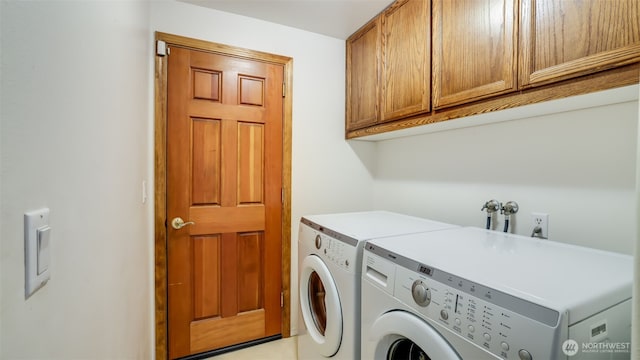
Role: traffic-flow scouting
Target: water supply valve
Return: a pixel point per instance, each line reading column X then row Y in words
column 491, row 206
column 510, row 208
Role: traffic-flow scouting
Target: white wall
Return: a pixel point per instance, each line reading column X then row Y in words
column 577, row 166
column 74, row 127
column 327, row 173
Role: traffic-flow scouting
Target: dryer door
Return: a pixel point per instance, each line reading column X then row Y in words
column 400, row 335
column 320, row 305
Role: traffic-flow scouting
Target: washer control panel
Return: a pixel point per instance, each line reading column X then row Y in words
column 499, row 323
column 472, row 314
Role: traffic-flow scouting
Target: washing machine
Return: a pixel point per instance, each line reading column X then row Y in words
column 330, row 263
column 476, row 294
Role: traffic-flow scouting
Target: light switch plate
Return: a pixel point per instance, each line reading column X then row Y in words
column 37, row 250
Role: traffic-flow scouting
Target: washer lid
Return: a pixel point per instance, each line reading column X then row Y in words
column 374, row 224
column 559, row 276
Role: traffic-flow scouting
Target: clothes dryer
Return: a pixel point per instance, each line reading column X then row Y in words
column 471, row 293
column 330, row 262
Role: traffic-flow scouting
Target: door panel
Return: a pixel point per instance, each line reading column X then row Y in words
column 224, row 166
column 250, row 271
column 206, row 277
column 250, row 163
column 205, row 159
column 214, row 332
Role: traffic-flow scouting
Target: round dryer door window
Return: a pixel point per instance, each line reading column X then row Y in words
column 317, row 294
column 320, row 305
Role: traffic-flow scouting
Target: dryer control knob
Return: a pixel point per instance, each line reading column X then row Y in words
column 421, row 293
column 318, row 242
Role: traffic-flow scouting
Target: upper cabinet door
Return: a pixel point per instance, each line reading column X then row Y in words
column 474, row 47
column 570, row 38
column 406, row 59
column 363, row 76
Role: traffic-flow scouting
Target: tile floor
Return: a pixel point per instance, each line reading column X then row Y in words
column 284, row 349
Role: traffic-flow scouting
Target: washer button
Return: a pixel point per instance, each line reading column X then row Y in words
column 471, row 328
column 458, row 322
column 444, row 314
column 487, row 337
column 524, row 355
column 504, row 346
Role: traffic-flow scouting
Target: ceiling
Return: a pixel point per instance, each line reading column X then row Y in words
column 335, row 18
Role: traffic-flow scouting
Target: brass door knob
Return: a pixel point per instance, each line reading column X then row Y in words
column 177, row 223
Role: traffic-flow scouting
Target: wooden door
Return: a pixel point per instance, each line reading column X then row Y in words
column 406, row 59
column 363, row 66
column 569, row 38
column 224, row 173
column 474, row 44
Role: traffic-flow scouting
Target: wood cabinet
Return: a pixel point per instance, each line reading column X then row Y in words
column 362, row 76
column 388, row 65
column 406, row 59
column 484, row 55
column 474, row 44
column 571, row 38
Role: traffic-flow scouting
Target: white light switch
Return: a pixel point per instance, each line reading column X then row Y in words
column 43, row 249
column 37, row 250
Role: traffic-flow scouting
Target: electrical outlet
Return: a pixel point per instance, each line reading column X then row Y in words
column 540, row 220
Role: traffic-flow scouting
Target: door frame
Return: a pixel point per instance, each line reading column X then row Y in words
column 160, row 172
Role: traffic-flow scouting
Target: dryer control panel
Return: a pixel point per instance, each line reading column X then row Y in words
column 335, row 251
column 331, row 249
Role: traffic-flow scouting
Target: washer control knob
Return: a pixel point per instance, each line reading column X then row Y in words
column 444, row 314
column 524, row 355
column 346, row 262
column 318, row 241
column 471, row 328
column 421, row 293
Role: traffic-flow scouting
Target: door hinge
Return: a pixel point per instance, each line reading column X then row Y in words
column 281, row 299
column 282, row 195
column 161, row 48
column 284, row 89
